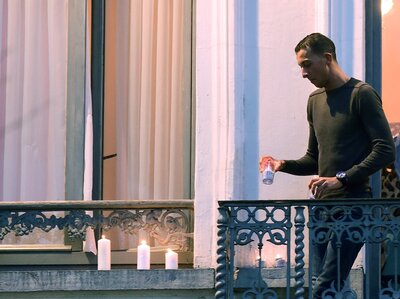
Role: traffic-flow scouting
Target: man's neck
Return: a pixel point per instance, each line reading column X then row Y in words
column 338, row 79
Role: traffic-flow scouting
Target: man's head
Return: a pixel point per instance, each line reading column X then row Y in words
column 316, row 57
column 318, row 43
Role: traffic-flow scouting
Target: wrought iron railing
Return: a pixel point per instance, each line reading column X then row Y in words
column 373, row 223
column 168, row 222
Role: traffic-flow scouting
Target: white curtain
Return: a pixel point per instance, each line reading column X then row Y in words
column 148, row 55
column 89, row 245
column 33, row 74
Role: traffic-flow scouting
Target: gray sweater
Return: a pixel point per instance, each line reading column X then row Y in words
column 348, row 132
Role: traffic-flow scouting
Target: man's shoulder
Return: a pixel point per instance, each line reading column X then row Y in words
column 363, row 89
column 355, row 83
column 317, row 92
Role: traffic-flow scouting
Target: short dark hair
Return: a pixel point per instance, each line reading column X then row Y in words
column 318, row 44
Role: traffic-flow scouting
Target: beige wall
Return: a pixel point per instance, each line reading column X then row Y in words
column 251, row 101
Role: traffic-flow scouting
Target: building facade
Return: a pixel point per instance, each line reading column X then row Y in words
column 246, row 98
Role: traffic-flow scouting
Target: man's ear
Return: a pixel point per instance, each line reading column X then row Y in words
column 328, row 57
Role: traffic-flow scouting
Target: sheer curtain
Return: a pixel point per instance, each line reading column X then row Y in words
column 148, row 65
column 33, row 73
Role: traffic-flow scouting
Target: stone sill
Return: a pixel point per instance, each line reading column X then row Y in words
column 277, row 277
column 93, row 280
column 12, row 281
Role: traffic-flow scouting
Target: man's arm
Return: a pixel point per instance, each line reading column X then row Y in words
column 369, row 108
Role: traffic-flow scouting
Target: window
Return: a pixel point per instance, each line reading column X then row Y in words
column 147, row 103
column 147, row 107
column 33, row 105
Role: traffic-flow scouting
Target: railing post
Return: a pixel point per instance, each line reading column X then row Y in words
column 372, row 263
column 299, row 223
column 221, row 275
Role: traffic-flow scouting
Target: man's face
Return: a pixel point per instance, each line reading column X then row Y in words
column 313, row 67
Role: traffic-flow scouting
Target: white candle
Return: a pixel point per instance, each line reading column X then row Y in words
column 279, row 261
column 260, row 262
column 171, row 260
column 143, row 256
column 104, row 254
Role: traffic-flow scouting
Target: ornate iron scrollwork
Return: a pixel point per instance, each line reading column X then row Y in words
column 243, row 224
column 167, row 226
column 255, row 293
column 267, row 223
column 24, row 223
column 358, row 221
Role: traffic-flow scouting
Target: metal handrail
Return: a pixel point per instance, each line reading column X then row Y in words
column 242, row 222
column 168, row 222
column 68, row 205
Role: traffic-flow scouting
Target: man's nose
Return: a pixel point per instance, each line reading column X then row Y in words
column 304, row 73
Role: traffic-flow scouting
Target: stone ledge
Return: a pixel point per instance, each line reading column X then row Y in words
column 121, row 279
column 276, row 278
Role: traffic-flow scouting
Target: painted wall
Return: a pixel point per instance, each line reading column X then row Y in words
column 391, row 63
column 283, row 93
column 251, row 99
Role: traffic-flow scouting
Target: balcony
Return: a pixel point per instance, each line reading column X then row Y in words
column 291, row 225
column 64, row 271
column 373, row 224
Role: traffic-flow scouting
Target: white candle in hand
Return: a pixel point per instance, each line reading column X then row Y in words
column 143, row 256
column 104, row 254
column 171, row 260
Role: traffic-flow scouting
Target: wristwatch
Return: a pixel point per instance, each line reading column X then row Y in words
column 342, row 177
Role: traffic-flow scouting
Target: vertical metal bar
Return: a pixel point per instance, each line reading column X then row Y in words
column 373, row 65
column 97, row 72
column 259, row 276
column 396, row 261
column 221, row 270
column 310, row 252
column 288, row 249
column 231, row 262
column 299, row 223
column 338, row 278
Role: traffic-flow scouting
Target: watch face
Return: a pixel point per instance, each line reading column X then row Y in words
column 341, row 175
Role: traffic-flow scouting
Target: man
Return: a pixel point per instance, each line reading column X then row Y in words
column 349, row 140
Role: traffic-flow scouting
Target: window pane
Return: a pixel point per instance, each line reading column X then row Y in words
column 147, row 101
column 33, row 74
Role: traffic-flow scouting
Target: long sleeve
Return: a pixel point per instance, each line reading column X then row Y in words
column 368, row 106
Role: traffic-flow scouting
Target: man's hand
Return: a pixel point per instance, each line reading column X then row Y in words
column 276, row 165
column 320, row 184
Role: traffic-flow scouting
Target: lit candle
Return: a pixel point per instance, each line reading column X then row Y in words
column 143, row 256
column 171, row 260
column 279, row 261
column 104, row 254
column 260, row 262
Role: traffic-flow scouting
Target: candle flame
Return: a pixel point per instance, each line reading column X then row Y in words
column 169, row 250
column 143, row 242
column 278, row 256
column 103, row 236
